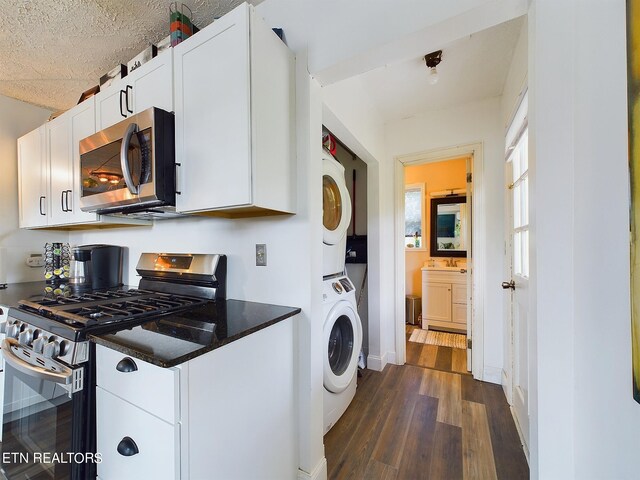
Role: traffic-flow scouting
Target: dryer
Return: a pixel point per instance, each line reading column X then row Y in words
column 336, row 215
column 342, row 334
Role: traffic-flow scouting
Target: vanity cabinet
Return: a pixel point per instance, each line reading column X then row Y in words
column 138, row 432
column 150, row 85
column 444, row 299
column 234, row 107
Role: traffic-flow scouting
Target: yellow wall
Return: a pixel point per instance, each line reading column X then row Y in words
column 436, row 177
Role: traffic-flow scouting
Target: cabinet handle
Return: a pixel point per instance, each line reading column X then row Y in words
column 129, row 87
column 62, row 193
column 126, row 365
column 122, row 94
column 175, row 180
column 41, row 209
column 127, row 447
column 69, row 209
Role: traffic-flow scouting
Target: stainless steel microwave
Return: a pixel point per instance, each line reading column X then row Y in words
column 130, row 167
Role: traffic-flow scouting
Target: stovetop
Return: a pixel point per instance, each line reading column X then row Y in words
column 74, row 316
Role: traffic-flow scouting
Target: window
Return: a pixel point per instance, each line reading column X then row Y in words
column 414, row 216
column 517, row 154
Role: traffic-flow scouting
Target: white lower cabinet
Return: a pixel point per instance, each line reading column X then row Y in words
column 134, row 444
column 444, row 300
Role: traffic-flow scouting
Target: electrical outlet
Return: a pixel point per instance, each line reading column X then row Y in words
column 261, row 254
column 35, row 260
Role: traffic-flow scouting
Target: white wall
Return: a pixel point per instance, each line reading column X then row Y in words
column 473, row 123
column 16, row 119
column 587, row 421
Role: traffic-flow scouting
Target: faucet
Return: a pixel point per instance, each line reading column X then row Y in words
column 452, row 262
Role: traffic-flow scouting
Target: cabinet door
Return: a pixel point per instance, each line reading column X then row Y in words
column 59, row 154
column 459, row 314
column 111, row 105
column 152, row 84
column 438, row 301
column 32, row 179
column 213, row 139
column 82, row 124
column 459, row 293
column 156, row 441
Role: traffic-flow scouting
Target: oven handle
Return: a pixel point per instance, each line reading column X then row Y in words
column 64, row 378
column 124, row 150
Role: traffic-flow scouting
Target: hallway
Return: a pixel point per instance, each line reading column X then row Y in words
column 411, row 422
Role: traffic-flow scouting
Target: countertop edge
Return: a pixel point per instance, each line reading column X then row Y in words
column 190, row 356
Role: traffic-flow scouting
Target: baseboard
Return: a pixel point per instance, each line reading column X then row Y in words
column 376, row 363
column 519, row 430
column 492, row 375
column 391, row 357
column 319, row 473
column 506, row 387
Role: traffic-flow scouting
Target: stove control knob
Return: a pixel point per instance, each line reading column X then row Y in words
column 38, row 344
column 52, row 349
column 13, row 330
column 25, row 337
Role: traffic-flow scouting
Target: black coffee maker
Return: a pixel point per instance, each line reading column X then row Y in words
column 96, row 267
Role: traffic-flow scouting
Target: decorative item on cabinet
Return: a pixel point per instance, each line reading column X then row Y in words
column 89, row 93
column 143, row 57
column 113, row 75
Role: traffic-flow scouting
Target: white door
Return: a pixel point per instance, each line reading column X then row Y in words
column 152, row 84
column 32, row 179
column 213, row 116
column 518, row 284
column 59, row 168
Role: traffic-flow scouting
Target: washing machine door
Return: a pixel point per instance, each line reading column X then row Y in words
column 343, row 341
column 336, row 203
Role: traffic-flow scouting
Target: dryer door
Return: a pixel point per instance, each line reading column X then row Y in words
column 336, row 203
column 343, row 340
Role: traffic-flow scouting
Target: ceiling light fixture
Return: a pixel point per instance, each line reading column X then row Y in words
column 432, row 60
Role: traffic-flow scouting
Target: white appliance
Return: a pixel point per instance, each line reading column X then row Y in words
column 342, row 336
column 336, row 215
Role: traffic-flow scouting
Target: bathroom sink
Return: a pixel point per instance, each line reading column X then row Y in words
column 444, row 269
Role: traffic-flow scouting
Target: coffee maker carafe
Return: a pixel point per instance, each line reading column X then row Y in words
column 96, row 267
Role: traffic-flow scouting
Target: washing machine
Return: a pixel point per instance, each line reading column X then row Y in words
column 336, row 215
column 342, row 334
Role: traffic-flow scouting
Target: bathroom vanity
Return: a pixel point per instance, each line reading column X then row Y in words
column 444, row 298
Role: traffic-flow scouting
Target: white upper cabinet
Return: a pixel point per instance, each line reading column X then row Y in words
column 150, row 85
column 63, row 136
column 234, row 100
column 32, row 179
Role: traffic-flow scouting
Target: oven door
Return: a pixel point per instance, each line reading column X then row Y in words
column 128, row 163
column 43, row 420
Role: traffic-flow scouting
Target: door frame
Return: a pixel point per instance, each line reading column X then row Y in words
column 478, row 236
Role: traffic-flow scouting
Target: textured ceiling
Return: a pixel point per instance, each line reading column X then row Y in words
column 53, row 50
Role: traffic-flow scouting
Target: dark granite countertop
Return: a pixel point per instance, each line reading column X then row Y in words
column 14, row 292
column 182, row 336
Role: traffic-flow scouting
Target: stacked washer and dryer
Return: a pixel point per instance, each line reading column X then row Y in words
column 342, row 331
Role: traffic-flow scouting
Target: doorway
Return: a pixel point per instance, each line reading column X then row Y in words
column 454, row 293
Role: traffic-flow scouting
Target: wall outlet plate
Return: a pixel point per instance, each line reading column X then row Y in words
column 261, row 254
column 35, row 260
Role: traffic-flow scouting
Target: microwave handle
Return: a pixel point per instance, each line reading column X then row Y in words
column 124, row 150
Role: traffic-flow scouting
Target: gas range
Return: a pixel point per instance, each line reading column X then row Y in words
column 47, row 351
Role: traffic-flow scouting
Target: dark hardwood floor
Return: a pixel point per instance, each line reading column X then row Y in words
column 425, row 421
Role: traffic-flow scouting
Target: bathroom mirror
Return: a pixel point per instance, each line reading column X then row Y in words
column 447, row 222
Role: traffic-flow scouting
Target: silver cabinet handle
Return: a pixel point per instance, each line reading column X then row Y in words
column 124, row 150
column 64, row 376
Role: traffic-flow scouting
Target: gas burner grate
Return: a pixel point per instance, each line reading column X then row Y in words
column 100, row 308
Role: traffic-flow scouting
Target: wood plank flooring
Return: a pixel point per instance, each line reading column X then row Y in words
column 426, row 420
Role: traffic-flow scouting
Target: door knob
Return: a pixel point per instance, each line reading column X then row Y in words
column 511, row 285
